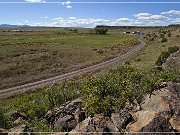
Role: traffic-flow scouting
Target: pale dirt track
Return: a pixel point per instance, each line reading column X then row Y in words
column 5, row 93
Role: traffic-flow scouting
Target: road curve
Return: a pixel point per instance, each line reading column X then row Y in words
column 5, row 93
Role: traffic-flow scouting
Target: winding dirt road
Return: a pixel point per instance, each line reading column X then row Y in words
column 5, row 93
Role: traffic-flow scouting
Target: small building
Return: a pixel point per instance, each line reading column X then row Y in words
column 15, row 30
column 137, row 33
column 127, row 32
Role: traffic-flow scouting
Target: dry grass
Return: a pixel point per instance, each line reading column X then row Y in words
column 28, row 56
column 153, row 49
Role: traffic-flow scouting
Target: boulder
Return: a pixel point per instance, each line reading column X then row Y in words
column 121, row 119
column 149, row 121
column 175, row 123
column 79, row 115
column 20, row 130
column 99, row 124
column 66, row 123
column 69, row 108
column 166, row 100
column 51, row 115
column 157, row 102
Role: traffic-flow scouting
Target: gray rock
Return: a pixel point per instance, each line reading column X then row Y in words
column 99, row 124
column 149, row 121
column 79, row 115
column 67, row 109
column 66, row 123
column 121, row 119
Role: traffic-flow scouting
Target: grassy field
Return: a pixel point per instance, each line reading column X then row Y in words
column 36, row 53
column 154, row 47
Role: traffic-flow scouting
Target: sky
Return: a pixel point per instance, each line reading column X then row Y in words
column 79, row 13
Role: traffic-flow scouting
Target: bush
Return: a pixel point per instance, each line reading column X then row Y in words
column 2, row 119
column 164, row 55
column 164, row 40
column 173, row 49
column 169, row 34
column 109, row 93
column 5, row 120
column 161, row 35
column 101, row 31
column 162, row 58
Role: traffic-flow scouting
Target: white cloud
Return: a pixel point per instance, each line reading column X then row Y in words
column 141, row 19
column 68, row 6
column 176, row 20
column 90, row 22
column 147, row 16
column 142, row 15
column 57, row 19
column 72, row 18
column 35, row 1
column 66, row 3
column 171, row 12
column 26, row 21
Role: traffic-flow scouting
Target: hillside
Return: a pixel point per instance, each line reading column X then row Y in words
column 138, row 96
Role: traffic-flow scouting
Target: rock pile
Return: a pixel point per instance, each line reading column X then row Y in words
column 160, row 113
column 67, row 116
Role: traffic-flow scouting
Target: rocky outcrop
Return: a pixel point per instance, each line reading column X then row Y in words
column 149, row 121
column 159, row 112
column 66, row 116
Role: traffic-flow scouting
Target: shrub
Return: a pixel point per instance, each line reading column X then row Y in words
column 169, row 34
column 109, row 93
column 173, row 49
column 164, row 40
column 162, row 58
column 101, row 31
column 164, row 55
column 2, row 119
column 161, row 35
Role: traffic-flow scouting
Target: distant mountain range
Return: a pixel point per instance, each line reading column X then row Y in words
column 13, row 26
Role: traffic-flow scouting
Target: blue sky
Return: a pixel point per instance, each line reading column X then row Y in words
column 71, row 14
